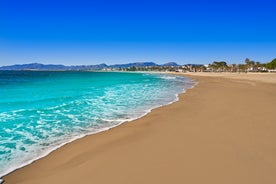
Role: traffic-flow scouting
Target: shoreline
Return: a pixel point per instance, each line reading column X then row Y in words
column 105, row 129
column 137, row 130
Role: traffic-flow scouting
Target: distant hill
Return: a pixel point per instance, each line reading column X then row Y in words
column 44, row 67
column 33, row 66
column 38, row 66
column 139, row 64
column 170, row 64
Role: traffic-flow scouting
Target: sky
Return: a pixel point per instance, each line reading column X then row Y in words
column 76, row 32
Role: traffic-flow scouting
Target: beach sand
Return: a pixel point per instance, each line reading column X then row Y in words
column 221, row 131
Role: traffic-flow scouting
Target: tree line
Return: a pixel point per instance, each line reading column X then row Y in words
column 216, row 66
column 247, row 66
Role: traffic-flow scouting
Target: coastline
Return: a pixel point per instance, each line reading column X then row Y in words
column 145, row 148
column 80, row 136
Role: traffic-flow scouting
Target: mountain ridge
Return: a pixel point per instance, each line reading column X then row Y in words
column 46, row 67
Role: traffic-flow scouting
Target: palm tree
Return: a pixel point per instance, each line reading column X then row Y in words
column 249, row 64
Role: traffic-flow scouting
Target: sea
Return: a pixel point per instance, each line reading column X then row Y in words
column 43, row 110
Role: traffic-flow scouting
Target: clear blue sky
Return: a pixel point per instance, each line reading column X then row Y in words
column 92, row 32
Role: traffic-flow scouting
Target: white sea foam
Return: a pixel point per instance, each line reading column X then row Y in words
column 168, row 77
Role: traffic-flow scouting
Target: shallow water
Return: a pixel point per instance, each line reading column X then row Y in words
column 41, row 111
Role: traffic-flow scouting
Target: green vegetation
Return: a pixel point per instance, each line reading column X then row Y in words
column 248, row 66
column 271, row 65
column 219, row 66
column 216, row 66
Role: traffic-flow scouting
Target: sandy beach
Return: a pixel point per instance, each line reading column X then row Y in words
column 223, row 131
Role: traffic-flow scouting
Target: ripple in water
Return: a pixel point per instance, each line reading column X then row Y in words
column 41, row 111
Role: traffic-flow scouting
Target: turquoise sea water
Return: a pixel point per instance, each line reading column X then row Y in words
column 40, row 111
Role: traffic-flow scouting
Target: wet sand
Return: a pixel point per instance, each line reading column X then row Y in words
column 221, row 131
